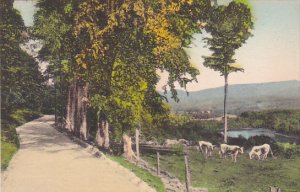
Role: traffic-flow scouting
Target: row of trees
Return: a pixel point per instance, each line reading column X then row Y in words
column 106, row 55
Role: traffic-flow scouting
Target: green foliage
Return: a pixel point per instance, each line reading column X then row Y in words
column 22, row 116
column 280, row 120
column 21, row 81
column 229, row 27
column 7, row 151
column 147, row 177
column 288, row 150
column 10, row 121
column 181, row 127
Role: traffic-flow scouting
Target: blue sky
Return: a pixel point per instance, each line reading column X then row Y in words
column 272, row 54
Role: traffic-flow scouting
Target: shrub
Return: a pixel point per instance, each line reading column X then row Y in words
column 287, row 150
column 21, row 116
column 240, row 141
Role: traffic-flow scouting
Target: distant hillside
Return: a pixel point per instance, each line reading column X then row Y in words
column 244, row 97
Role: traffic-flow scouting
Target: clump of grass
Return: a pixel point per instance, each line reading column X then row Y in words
column 288, row 150
column 7, row 151
column 22, row 116
column 144, row 175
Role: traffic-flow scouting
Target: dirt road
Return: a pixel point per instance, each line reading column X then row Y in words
column 48, row 161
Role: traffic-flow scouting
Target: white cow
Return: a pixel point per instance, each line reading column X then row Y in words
column 206, row 148
column 255, row 153
column 262, row 150
column 232, row 150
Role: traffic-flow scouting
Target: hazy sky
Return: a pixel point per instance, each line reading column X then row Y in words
column 272, row 54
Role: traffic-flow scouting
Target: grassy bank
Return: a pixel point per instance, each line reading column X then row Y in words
column 147, row 177
column 223, row 175
column 9, row 138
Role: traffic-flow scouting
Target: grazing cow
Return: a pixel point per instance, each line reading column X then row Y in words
column 169, row 142
column 206, row 148
column 232, row 150
column 261, row 150
column 255, row 152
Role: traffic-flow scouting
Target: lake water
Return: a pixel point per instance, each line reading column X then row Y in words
column 250, row 132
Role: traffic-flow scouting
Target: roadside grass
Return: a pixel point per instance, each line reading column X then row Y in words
column 9, row 137
column 7, row 152
column 226, row 176
column 144, row 175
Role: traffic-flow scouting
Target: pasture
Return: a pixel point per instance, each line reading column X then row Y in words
column 246, row 175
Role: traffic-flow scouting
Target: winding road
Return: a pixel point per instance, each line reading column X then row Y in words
column 48, row 161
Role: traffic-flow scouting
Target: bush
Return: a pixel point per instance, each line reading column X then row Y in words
column 287, row 150
column 21, row 116
column 240, row 141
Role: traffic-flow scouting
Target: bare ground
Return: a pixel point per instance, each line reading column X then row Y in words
column 48, row 161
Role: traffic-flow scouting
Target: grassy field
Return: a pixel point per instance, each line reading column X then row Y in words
column 225, row 176
column 152, row 180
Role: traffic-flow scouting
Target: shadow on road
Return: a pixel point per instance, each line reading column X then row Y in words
column 40, row 135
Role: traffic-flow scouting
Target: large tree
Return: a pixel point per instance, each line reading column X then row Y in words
column 229, row 26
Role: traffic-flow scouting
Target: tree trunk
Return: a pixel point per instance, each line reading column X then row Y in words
column 83, row 111
column 137, row 142
column 71, row 107
column 55, row 103
column 106, row 134
column 78, row 117
column 225, row 107
column 128, row 152
column 102, row 134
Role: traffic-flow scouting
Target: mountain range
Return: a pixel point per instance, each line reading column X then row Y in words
column 242, row 97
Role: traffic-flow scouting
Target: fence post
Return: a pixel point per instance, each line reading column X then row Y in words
column 158, row 170
column 187, row 172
